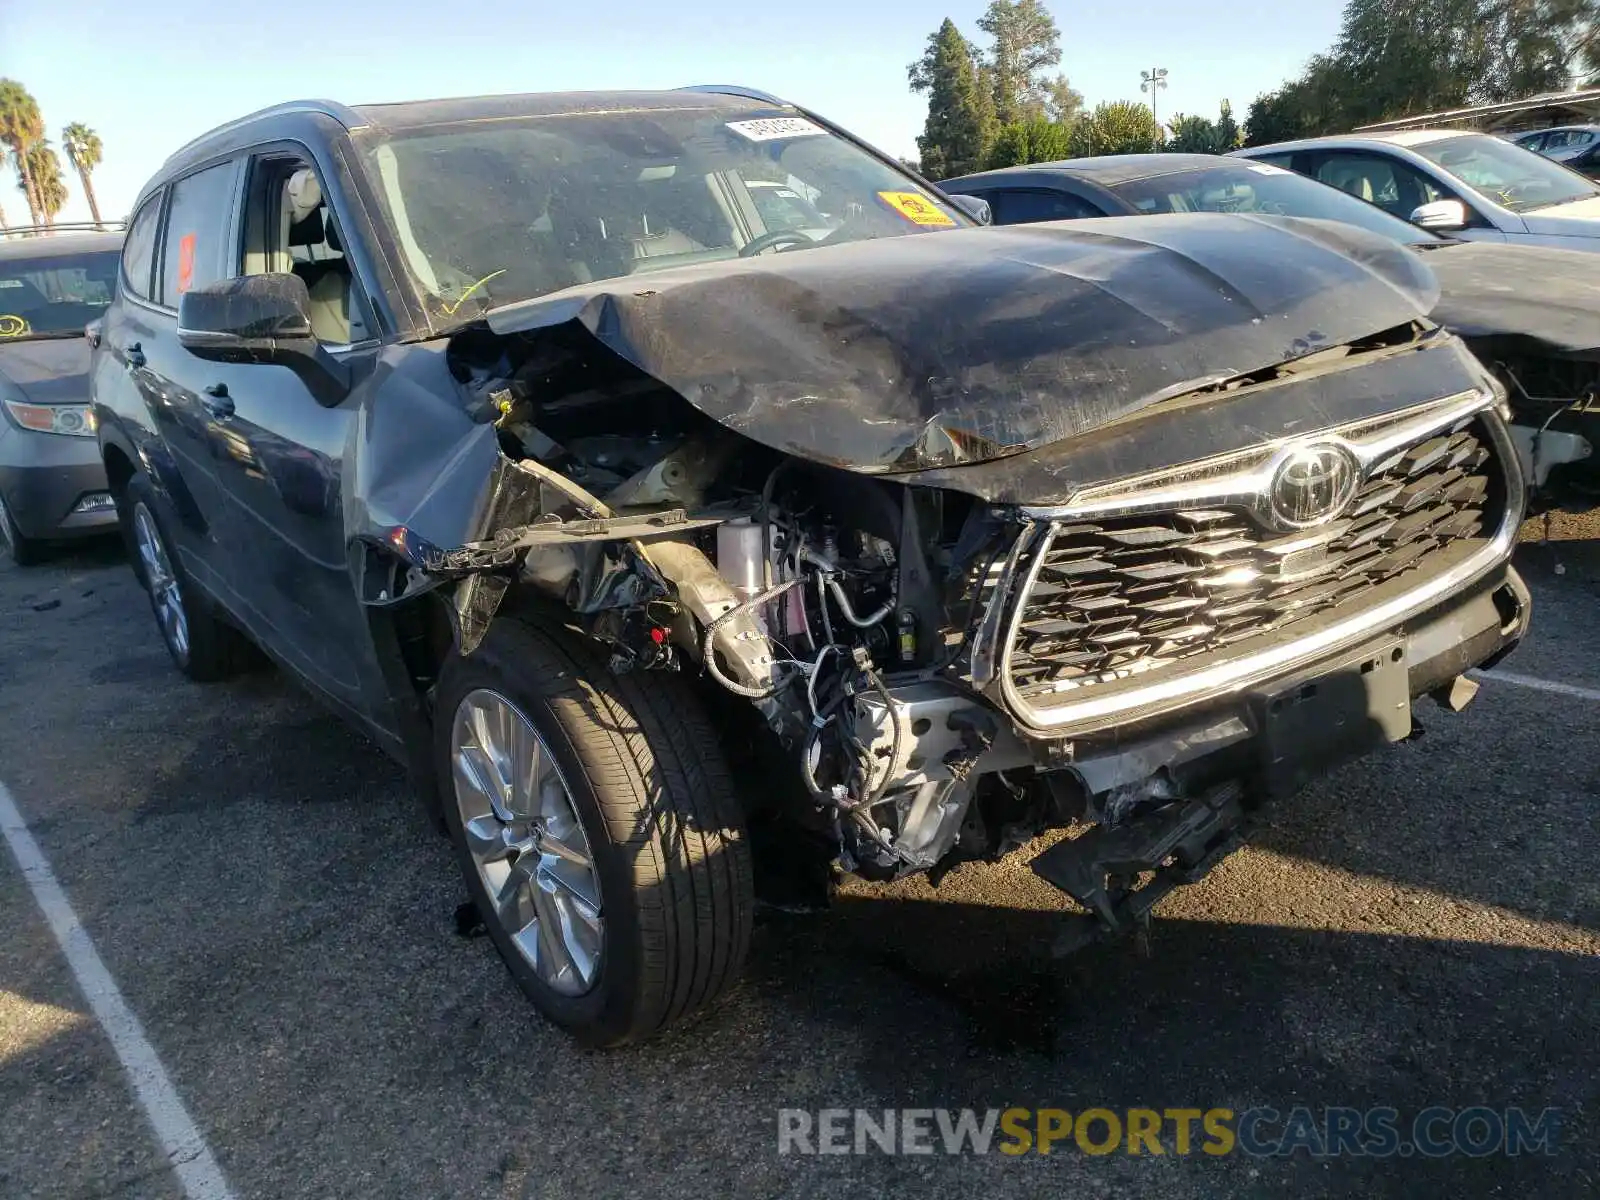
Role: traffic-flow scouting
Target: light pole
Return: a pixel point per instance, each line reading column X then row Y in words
column 1153, row 81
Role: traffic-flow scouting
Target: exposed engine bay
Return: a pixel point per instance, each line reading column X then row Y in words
column 798, row 587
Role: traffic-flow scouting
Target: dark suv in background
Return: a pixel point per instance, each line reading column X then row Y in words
column 597, row 478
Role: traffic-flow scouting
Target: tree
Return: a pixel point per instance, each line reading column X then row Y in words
column 1395, row 59
column 1033, row 141
column 1026, row 41
column 1192, row 135
column 960, row 125
column 1228, row 135
column 1537, row 45
column 83, row 149
column 1062, row 101
column 49, row 186
column 1120, row 127
column 1198, row 135
column 1322, row 100
column 21, row 127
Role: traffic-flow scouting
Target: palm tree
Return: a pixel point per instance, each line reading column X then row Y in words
column 49, row 187
column 83, row 148
column 21, row 127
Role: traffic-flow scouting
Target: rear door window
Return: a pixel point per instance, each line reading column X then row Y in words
column 1019, row 206
column 198, row 249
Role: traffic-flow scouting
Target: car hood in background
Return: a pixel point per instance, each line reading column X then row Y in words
column 1581, row 218
column 1492, row 290
column 49, row 371
column 951, row 348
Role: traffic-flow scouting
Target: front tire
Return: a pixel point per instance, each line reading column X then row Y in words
column 25, row 551
column 203, row 646
column 596, row 824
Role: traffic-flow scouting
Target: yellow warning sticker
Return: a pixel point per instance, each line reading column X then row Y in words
column 916, row 208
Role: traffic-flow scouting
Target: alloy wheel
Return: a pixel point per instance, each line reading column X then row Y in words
column 526, row 842
column 165, row 595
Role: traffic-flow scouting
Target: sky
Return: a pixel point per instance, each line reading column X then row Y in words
column 149, row 76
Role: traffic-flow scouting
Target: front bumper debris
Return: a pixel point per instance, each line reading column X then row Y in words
column 1272, row 742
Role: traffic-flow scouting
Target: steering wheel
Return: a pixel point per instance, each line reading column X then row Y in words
column 777, row 237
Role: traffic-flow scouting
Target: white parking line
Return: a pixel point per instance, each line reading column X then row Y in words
column 1539, row 685
column 186, row 1150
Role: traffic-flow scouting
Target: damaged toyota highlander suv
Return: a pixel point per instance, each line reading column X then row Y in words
column 513, row 428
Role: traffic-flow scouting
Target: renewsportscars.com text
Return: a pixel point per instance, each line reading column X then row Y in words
column 1434, row 1132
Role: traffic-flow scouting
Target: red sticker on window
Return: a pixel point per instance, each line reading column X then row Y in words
column 185, row 262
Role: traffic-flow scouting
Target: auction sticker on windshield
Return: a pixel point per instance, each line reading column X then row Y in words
column 915, row 208
column 770, row 129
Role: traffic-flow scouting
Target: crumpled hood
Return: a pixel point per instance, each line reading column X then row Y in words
column 1488, row 289
column 52, row 371
column 946, row 348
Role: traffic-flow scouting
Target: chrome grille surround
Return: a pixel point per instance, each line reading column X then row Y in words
column 1235, row 487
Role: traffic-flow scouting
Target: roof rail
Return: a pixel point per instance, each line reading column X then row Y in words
column 342, row 113
column 63, row 227
column 736, row 89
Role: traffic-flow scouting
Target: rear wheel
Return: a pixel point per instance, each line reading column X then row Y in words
column 596, row 825
column 202, row 644
column 25, row 551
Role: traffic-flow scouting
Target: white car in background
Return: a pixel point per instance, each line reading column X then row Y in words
column 1470, row 185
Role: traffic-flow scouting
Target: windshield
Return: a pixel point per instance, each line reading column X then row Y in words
column 1510, row 175
column 54, row 295
column 1263, row 188
column 487, row 213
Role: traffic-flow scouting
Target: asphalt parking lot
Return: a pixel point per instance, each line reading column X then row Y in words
column 1423, row 928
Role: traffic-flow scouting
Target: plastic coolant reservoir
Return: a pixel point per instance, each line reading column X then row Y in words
column 739, row 555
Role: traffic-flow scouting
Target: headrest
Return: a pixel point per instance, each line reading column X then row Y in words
column 304, row 195
column 308, row 231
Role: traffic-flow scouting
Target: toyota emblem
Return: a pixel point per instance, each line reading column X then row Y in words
column 1312, row 484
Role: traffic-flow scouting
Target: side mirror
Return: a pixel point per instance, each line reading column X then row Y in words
column 1442, row 215
column 975, row 207
column 261, row 319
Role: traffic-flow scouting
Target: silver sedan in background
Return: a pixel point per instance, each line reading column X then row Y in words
column 1470, row 185
column 52, row 483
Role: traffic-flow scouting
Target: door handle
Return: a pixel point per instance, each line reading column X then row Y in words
column 217, row 402
column 133, row 354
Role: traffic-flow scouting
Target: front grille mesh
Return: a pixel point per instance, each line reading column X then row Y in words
column 1128, row 595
